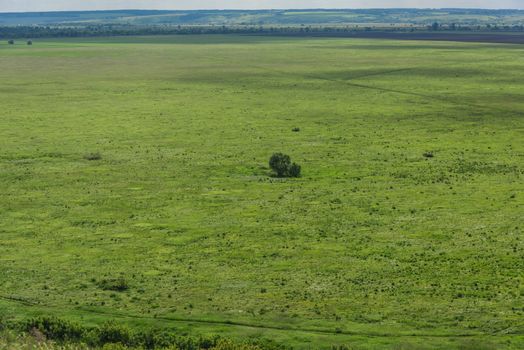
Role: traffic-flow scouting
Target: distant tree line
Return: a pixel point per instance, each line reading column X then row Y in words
column 15, row 32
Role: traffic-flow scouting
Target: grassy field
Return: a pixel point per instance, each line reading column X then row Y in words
column 377, row 245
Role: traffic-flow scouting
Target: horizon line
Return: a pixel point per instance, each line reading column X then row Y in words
column 271, row 9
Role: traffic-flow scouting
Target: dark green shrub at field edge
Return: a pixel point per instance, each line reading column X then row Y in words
column 281, row 164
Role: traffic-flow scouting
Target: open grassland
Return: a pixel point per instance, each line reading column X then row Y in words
column 135, row 186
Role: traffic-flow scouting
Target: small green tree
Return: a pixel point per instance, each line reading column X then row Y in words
column 282, row 166
column 11, row 42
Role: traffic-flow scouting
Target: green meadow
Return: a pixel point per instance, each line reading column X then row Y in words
column 135, row 186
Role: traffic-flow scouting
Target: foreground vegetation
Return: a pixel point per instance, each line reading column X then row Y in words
column 51, row 333
column 136, row 188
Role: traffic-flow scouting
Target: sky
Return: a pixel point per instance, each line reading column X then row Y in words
column 63, row 5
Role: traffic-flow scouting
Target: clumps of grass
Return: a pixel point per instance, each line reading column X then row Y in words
column 428, row 154
column 117, row 336
column 340, row 347
column 53, row 328
column 118, row 284
column 295, row 129
column 93, row 156
column 281, row 164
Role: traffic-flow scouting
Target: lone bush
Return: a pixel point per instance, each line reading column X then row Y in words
column 11, row 42
column 115, row 284
column 29, row 42
column 282, row 166
column 93, row 156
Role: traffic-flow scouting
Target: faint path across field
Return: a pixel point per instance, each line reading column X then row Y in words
column 121, row 315
column 351, row 82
